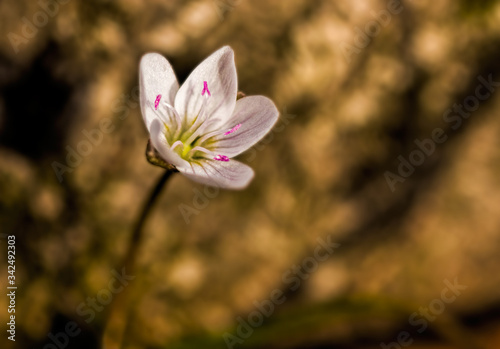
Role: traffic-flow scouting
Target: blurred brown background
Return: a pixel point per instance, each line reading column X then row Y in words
column 356, row 82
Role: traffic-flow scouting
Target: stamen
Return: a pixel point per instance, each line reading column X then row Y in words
column 176, row 144
column 234, row 129
column 200, row 149
column 221, row 158
column 205, row 89
column 157, row 101
column 207, row 136
column 210, row 122
column 177, row 118
column 162, row 117
column 199, row 125
column 213, row 133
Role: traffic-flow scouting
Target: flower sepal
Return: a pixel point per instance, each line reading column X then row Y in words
column 240, row 95
column 154, row 158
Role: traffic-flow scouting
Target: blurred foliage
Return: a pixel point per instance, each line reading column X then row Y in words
column 346, row 118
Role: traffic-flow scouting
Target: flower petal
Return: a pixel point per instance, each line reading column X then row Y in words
column 156, row 77
column 256, row 115
column 157, row 133
column 227, row 175
column 219, row 71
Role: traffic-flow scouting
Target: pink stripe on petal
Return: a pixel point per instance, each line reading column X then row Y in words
column 234, row 129
column 157, row 101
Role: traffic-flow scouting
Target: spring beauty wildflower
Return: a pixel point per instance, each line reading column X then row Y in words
column 199, row 127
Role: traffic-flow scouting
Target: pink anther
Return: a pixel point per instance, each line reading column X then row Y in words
column 205, row 89
column 221, row 158
column 234, row 129
column 157, row 102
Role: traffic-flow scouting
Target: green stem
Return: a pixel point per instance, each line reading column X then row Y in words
column 117, row 320
column 136, row 238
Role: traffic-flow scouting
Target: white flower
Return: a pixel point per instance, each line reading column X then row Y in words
column 200, row 127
